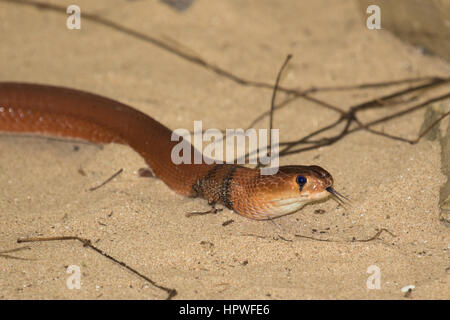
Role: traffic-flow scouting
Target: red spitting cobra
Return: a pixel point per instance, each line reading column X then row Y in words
column 63, row 112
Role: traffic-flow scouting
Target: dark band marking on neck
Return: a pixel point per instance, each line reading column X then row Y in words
column 197, row 188
column 226, row 188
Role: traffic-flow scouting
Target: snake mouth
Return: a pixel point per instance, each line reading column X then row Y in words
column 340, row 198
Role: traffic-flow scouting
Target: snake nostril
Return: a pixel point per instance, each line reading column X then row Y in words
column 330, row 182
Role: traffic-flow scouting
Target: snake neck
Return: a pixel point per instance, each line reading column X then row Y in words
column 216, row 185
column 233, row 186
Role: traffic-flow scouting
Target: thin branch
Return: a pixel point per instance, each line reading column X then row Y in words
column 107, row 180
column 272, row 104
column 87, row 243
column 4, row 253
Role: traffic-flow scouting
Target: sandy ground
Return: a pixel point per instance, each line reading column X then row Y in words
column 141, row 222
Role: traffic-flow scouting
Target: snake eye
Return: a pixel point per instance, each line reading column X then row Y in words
column 301, row 181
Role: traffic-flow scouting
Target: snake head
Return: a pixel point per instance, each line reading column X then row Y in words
column 291, row 188
column 309, row 183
